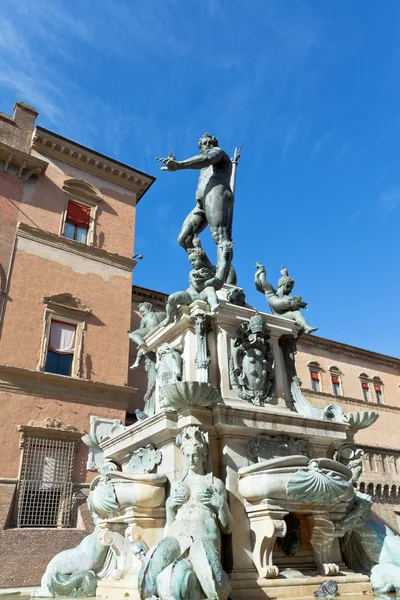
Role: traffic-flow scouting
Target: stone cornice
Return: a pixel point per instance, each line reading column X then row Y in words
column 50, row 428
column 62, row 243
column 54, row 145
column 313, row 340
column 60, row 387
column 332, row 399
column 142, row 294
column 24, row 164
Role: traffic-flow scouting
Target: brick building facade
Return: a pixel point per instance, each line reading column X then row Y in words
column 67, row 219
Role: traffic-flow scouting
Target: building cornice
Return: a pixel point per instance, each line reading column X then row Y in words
column 313, row 340
column 141, row 294
column 332, row 399
column 60, row 387
column 62, row 243
column 54, row 145
column 23, row 164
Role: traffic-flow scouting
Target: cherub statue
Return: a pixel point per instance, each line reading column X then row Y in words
column 186, row 563
column 281, row 303
column 204, row 280
column 150, row 320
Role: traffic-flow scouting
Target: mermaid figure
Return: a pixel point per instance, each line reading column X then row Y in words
column 186, row 563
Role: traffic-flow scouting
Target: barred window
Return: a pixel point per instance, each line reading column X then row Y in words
column 45, row 490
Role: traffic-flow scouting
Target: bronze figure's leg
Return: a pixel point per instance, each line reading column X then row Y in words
column 194, row 224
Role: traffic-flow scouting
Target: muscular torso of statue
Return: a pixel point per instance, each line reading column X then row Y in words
column 216, row 174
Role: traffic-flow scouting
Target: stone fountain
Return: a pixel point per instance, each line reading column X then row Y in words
column 230, row 482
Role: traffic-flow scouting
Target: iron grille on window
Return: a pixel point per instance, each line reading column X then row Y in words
column 45, row 492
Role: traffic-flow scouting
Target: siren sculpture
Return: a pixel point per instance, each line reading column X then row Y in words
column 186, row 563
column 368, row 544
column 280, row 301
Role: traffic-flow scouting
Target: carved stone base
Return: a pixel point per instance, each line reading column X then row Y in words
column 266, row 524
column 322, row 535
column 129, row 526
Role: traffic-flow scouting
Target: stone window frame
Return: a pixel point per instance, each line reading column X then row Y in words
column 314, row 366
column 376, row 380
column 334, row 371
column 77, row 190
column 365, row 379
column 65, row 309
column 52, row 429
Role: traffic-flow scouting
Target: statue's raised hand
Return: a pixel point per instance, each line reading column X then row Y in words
column 170, row 164
column 259, row 267
column 179, row 496
column 211, row 499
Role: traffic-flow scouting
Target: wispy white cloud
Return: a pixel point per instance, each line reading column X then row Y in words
column 321, row 143
column 390, row 200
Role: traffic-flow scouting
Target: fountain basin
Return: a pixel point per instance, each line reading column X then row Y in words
column 296, row 478
column 141, row 490
column 183, row 394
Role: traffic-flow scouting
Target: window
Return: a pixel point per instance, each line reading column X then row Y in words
column 315, row 370
column 60, row 352
column 45, row 488
column 80, row 209
column 77, row 222
column 64, row 323
column 378, row 393
column 335, row 385
column 335, row 380
column 315, row 381
column 365, row 390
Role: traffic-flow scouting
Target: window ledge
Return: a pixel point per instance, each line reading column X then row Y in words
column 341, row 398
column 62, row 243
column 73, row 389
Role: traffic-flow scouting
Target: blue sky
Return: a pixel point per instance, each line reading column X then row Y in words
column 310, row 88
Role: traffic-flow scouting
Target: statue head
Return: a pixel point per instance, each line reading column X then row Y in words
column 285, row 283
column 197, row 257
column 206, row 142
column 145, row 307
column 194, row 446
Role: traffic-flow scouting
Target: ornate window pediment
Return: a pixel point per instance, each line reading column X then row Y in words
column 82, row 189
column 67, row 302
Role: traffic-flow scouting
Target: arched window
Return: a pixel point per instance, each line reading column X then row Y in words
column 315, row 371
column 365, row 381
column 336, row 380
column 378, row 389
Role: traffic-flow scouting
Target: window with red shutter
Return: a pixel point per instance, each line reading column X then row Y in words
column 77, row 222
column 315, row 381
column 365, row 390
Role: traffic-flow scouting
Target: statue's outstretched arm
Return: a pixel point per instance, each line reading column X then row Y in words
column 195, row 162
column 202, row 160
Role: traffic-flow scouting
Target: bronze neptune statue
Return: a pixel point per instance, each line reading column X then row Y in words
column 214, row 195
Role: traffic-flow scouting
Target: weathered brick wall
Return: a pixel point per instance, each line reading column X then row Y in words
column 17, row 131
column 11, row 189
column 25, row 553
column 7, row 493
